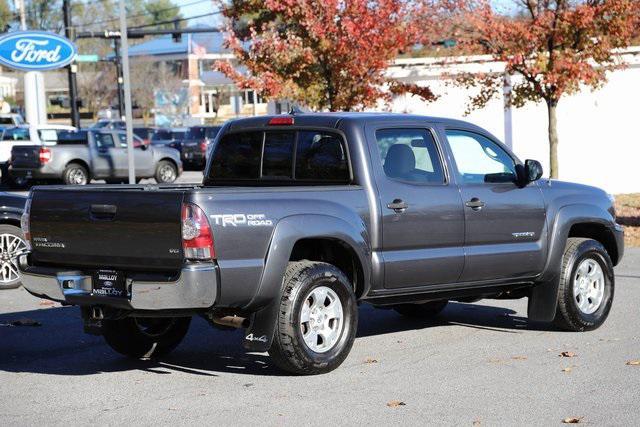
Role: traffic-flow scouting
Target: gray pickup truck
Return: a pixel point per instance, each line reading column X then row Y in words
column 80, row 156
column 300, row 217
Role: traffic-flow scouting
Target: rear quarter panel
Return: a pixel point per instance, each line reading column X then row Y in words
column 256, row 226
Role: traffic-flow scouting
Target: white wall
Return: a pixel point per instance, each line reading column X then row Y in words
column 599, row 131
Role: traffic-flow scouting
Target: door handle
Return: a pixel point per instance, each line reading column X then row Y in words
column 398, row 206
column 475, row 204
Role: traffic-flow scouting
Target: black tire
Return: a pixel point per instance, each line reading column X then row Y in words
column 9, row 267
column 425, row 310
column 289, row 351
column 145, row 336
column 75, row 174
column 163, row 175
column 568, row 314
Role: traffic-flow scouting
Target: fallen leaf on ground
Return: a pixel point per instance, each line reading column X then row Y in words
column 25, row 322
column 567, row 369
column 369, row 360
column 633, row 362
column 572, row 420
column 519, row 357
column 476, row 423
column 567, row 354
column 395, row 403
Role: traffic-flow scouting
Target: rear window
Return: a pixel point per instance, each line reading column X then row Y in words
column 6, row 121
column 197, row 132
column 72, row 137
column 280, row 156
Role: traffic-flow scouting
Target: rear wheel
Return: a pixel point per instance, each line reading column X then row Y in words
column 586, row 288
column 145, row 336
column 166, row 172
column 75, row 174
column 317, row 319
column 425, row 310
column 12, row 244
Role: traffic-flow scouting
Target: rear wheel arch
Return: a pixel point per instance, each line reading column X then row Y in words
column 82, row 163
column 332, row 251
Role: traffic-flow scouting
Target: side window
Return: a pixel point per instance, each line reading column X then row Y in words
column 104, row 141
column 48, row 135
column 479, row 159
column 321, row 156
column 410, row 155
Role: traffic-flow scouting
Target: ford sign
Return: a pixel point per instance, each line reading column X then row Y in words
column 35, row 50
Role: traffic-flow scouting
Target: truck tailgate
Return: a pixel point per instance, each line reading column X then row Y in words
column 25, row 156
column 124, row 228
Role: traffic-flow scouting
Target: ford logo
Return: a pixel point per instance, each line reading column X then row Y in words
column 35, row 50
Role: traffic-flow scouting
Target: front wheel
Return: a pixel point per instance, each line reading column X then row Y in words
column 166, row 172
column 317, row 320
column 145, row 336
column 586, row 288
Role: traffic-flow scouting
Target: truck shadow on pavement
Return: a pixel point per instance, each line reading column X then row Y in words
column 58, row 345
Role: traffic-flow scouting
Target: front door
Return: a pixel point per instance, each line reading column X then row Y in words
column 142, row 155
column 505, row 225
column 421, row 210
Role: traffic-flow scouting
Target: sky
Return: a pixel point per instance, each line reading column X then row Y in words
column 197, row 7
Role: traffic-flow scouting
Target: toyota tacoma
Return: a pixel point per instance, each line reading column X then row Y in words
column 301, row 217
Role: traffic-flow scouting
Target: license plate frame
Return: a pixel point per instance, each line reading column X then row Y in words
column 109, row 283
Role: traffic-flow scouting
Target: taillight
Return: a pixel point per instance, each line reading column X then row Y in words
column 44, row 155
column 203, row 146
column 197, row 237
column 25, row 223
column 281, row 121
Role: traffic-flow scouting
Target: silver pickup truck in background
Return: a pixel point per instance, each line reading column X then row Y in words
column 80, row 156
column 300, row 217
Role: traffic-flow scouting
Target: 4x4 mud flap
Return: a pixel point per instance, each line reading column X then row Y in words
column 543, row 301
column 259, row 335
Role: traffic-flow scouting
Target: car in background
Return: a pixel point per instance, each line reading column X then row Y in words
column 81, row 156
column 109, row 124
column 12, row 243
column 169, row 137
column 145, row 133
column 11, row 119
column 196, row 144
column 46, row 134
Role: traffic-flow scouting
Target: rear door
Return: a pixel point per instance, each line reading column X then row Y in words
column 109, row 159
column 505, row 227
column 422, row 216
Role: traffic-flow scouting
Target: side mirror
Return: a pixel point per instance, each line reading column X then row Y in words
column 532, row 171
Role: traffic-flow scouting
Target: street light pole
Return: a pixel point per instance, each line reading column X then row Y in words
column 72, row 68
column 127, row 91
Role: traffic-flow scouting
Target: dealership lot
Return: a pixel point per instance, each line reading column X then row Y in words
column 479, row 362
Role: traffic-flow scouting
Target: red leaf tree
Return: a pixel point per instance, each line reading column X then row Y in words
column 325, row 54
column 552, row 47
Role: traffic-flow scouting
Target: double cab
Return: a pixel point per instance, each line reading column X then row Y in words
column 301, row 217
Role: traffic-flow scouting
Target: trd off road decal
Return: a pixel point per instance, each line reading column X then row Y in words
column 239, row 219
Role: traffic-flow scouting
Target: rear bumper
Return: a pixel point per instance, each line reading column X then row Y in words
column 43, row 172
column 195, row 288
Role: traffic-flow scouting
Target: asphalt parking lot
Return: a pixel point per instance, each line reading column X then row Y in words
column 477, row 364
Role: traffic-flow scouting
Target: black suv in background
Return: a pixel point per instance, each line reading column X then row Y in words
column 195, row 145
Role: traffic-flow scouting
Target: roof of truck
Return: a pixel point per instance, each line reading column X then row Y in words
column 334, row 118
